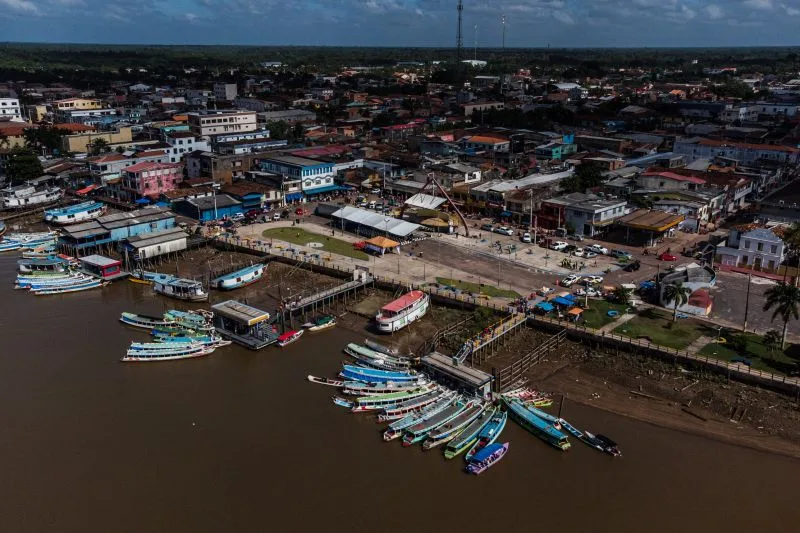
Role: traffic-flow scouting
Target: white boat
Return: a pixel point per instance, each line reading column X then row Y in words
column 75, row 213
column 401, row 312
column 141, row 356
column 240, row 278
column 69, row 288
column 24, row 196
column 289, row 337
column 182, row 289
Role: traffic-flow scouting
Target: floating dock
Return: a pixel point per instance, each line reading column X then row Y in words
column 244, row 324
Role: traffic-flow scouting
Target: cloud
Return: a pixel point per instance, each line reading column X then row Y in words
column 714, row 12
column 20, row 6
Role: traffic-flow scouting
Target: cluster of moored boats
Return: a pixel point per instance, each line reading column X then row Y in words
column 53, row 274
column 419, row 410
column 43, row 242
column 176, row 335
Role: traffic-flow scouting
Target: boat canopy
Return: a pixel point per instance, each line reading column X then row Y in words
column 403, row 302
column 486, row 452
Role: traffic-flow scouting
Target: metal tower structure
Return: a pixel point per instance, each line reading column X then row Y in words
column 459, row 36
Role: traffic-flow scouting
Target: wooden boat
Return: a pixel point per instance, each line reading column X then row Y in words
column 28, row 196
column 403, row 311
column 75, row 213
column 47, row 282
column 380, row 348
column 489, row 433
column 539, row 427
column 196, row 320
column 420, row 431
column 143, row 321
column 486, row 458
column 602, row 443
column 181, row 289
column 341, row 402
column 240, row 278
column 289, row 337
column 214, row 342
column 326, row 322
column 469, row 435
column 359, row 388
column 145, row 356
column 166, row 339
column 49, row 264
column 380, row 401
column 403, row 409
column 173, row 331
column 70, row 288
column 375, row 359
column 326, row 381
column 148, row 278
column 449, row 430
column 9, row 246
column 397, row 427
column 373, row 375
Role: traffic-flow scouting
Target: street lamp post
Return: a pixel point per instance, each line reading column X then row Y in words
column 214, row 187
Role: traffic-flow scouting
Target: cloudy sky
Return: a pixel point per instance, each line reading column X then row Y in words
column 530, row 23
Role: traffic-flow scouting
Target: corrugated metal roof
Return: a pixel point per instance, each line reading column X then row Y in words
column 425, row 201
column 394, row 226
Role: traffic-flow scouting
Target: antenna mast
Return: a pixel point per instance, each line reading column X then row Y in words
column 459, row 37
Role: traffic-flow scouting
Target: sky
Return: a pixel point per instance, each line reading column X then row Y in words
column 425, row 23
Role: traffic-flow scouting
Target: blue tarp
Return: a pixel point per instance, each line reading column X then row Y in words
column 570, row 297
column 143, row 201
column 294, row 196
column 506, row 214
column 563, row 301
column 545, row 306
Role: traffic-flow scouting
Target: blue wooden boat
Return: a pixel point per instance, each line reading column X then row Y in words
column 466, row 438
column 396, row 428
column 181, row 289
column 536, row 425
column 375, row 359
column 75, row 213
column 189, row 319
column 9, row 246
column 148, row 278
column 70, row 288
column 143, row 321
column 371, row 375
column 420, row 431
column 489, row 433
column 449, row 430
column 486, row 458
column 240, row 278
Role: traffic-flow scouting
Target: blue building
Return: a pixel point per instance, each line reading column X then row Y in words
column 107, row 231
column 209, row 208
column 316, row 177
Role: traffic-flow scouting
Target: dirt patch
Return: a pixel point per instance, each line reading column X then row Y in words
column 667, row 395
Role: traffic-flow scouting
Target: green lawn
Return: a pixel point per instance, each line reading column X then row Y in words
column 329, row 244
column 659, row 328
column 755, row 351
column 596, row 315
column 467, row 286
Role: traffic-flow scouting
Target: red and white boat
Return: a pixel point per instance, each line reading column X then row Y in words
column 289, row 337
column 403, row 311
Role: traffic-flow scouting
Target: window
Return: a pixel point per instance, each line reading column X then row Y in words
column 746, row 245
column 760, row 247
column 773, row 249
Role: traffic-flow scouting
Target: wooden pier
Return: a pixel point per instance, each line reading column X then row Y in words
column 506, row 377
column 489, row 339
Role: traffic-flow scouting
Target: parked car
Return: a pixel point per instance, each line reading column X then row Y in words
column 487, row 227
column 372, row 204
column 588, row 291
column 598, row 249
column 632, row 266
column 237, row 217
column 276, row 216
column 569, row 280
column 574, row 237
column 587, row 254
column 299, row 211
column 558, row 246
column 376, row 190
column 593, row 280
column 579, row 253
column 621, row 254
column 504, row 230
column 526, row 237
column 667, row 257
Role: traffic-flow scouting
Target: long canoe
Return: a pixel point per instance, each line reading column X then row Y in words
column 469, row 435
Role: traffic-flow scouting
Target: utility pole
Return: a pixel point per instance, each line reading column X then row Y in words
column 476, row 43
column 747, row 303
column 459, row 37
column 504, row 33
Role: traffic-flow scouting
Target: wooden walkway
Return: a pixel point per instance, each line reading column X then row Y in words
column 329, row 294
column 473, row 347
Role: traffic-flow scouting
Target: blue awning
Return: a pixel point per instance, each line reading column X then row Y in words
column 570, row 297
column 294, row 196
column 545, row 306
column 506, row 214
column 326, row 188
column 563, row 301
column 142, row 201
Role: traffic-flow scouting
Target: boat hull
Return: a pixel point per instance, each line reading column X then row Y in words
column 403, row 319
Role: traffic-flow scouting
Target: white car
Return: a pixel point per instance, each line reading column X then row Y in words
column 579, row 253
column 588, row 291
column 526, row 237
column 569, row 280
column 558, row 246
column 504, row 230
column 588, row 255
column 596, row 248
column 593, row 280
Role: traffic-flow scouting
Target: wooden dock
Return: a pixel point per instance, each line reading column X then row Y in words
column 474, row 347
column 327, row 296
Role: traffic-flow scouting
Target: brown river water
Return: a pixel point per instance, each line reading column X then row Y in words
column 240, row 441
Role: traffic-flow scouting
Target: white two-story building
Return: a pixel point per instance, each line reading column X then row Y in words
column 759, row 248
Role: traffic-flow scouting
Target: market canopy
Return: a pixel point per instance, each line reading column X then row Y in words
column 544, row 306
column 383, row 242
column 563, row 301
column 575, row 311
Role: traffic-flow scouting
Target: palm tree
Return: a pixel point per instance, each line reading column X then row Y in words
column 677, row 293
column 785, row 299
column 622, row 295
column 771, row 340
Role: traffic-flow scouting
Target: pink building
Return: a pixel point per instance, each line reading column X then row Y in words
column 149, row 180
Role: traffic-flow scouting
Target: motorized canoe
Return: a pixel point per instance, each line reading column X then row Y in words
column 486, row 458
